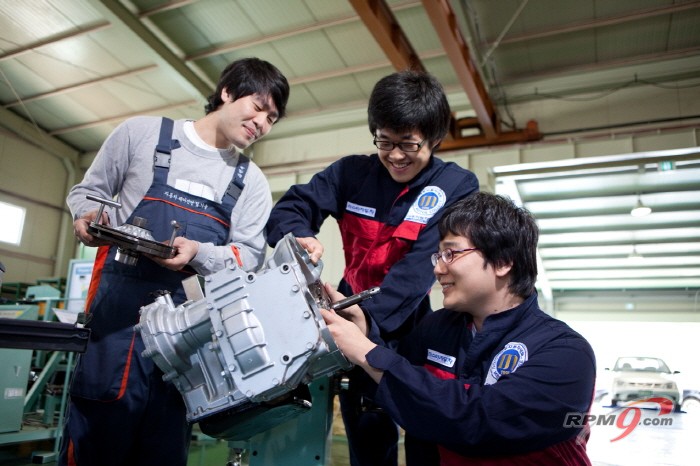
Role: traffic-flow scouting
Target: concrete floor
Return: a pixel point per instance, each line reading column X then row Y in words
column 658, row 440
column 672, row 441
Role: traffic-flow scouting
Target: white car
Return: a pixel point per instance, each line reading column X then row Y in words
column 637, row 378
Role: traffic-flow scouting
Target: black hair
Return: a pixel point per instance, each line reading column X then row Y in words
column 249, row 76
column 503, row 232
column 407, row 101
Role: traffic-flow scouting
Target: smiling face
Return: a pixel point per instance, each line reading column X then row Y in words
column 470, row 284
column 466, row 285
column 403, row 166
column 245, row 120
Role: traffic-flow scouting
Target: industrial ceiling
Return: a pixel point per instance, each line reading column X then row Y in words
column 71, row 70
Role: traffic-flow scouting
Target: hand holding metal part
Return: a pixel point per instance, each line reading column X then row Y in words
column 345, row 307
column 355, row 299
column 131, row 239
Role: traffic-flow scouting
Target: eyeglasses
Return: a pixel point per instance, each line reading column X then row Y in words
column 448, row 255
column 403, row 146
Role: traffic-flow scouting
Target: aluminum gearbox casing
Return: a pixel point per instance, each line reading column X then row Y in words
column 244, row 346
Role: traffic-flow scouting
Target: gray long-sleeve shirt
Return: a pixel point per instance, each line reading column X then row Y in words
column 123, row 169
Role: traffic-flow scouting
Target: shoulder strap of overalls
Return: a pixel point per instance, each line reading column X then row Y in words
column 236, row 186
column 166, row 144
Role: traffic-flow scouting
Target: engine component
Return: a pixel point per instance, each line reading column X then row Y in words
column 241, row 352
column 131, row 239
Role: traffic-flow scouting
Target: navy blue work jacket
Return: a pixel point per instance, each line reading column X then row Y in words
column 388, row 229
column 500, row 395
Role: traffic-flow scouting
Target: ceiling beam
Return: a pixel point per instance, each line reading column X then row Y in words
column 443, row 18
column 382, row 24
column 174, row 5
column 486, row 121
column 267, row 38
column 32, row 134
column 336, row 73
column 194, row 80
column 529, row 133
column 600, row 22
column 81, row 85
column 147, row 111
column 673, row 65
column 28, row 130
column 80, row 31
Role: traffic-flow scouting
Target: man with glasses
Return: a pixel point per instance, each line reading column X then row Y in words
column 387, row 206
column 490, row 379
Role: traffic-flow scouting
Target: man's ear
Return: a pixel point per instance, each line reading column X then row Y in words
column 435, row 145
column 503, row 270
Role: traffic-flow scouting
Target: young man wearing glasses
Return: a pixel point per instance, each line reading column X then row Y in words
column 387, row 206
column 490, row 379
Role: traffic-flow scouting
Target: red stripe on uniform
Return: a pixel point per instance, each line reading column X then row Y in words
column 439, row 373
column 100, row 260
column 71, row 454
column 409, row 230
column 237, row 253
column 125, row 376
column 227, row 225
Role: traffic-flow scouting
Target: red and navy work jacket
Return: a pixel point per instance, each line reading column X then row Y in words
column 388, row 229
column 118, row 291
column 495, row 397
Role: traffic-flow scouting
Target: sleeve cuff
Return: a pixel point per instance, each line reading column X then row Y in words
column 201, row 260
column 382, row 358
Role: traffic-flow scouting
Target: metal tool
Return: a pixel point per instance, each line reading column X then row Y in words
column 131, row 239
column 354, row 299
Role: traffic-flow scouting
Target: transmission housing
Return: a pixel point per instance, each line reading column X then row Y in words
column 242, row 349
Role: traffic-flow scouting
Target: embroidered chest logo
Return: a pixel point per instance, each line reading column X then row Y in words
column 512, row 356
column 360, row 209
column 185, row 201
column 442, row 359
column 429, row 201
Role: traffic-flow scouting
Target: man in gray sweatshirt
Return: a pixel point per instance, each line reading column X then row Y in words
column 192, row 172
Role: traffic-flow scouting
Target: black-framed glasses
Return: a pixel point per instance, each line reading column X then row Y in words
column 403, row 146
column 448, row 255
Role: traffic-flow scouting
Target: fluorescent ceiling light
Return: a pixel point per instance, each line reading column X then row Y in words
column 678, row 249
column 620, row 262
column 631, row 283
column 591, row 237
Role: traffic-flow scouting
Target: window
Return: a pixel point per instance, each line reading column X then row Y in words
column 12, row 223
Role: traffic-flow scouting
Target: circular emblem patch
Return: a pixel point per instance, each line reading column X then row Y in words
column 429, row 201
column 512, row 356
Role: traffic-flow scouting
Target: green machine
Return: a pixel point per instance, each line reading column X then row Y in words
column 15, row 365
column 35, row 353
column 304, row 439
